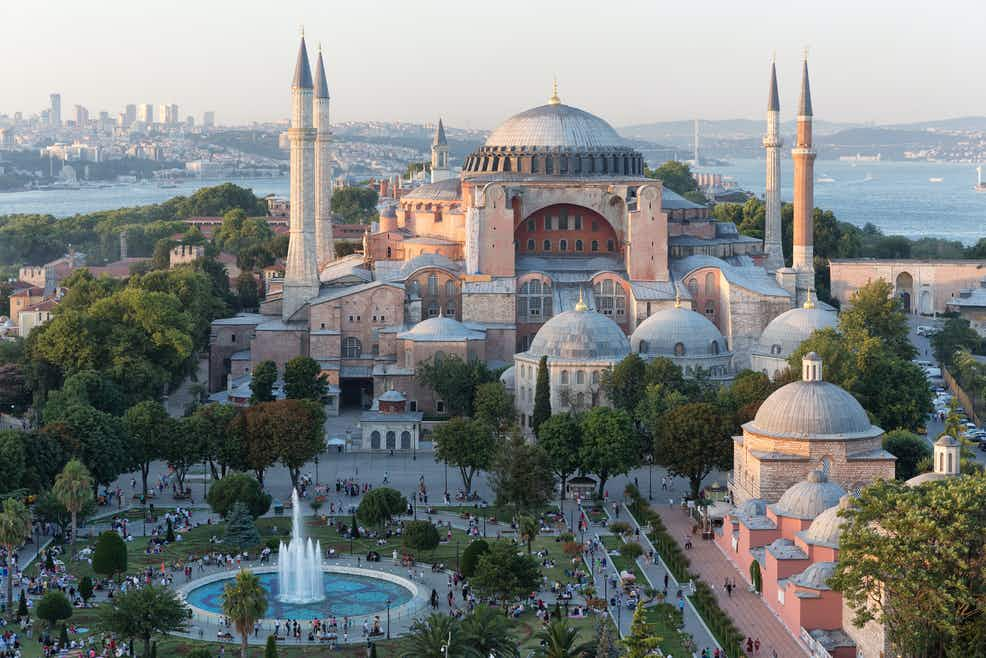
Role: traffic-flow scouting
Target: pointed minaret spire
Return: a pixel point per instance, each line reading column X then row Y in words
column 439, row 155
column 302, row 69
column 321, row 86
column 804, row 108
column 439, row 139
column 773, row 102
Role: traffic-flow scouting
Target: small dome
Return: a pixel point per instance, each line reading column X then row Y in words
column 947, row 441
column 508, row 378
column 754, row 507
column 826, row 529
column 440, row 329
column 787, row 331
column 580, row 335
column 930, row 476
column 427, row 260
column 677, row 332
column 555, row 125
column 392, row 396
column 815, row 576
column 809, row 498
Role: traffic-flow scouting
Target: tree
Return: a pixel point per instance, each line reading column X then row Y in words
column 238, row 488
column 44, row 458
column 244, row 602
column 12, row 460
column 437, row 636
column 241, row 531
column 73, row 489
column 454, row 381
column 270, row 650
column 505, row 574
column 96, row 439
column 488, row 632
column 756, row 576
column 909, row 449
column 528, row 528
column 494, row 407
column 561, row 438
column 262, row 382
column 247, row 291
column 15, row 393
column 53, row 608
column 609, row 444
column 85, row 588
column 560, row 640
column 22, row 611
column 470, row 556
column 694, row 440
column 911, row 558
column 641, row 641
column 521, row 475
column 605, row 644
column 291, row 431
column 542, row 396
column 466, row 444
column 303, row 379
column 15, row 528
column 109, row 557
column 143, row 613
column 624, row 383
column 420, row 536
column 222, row 447
column 677, row 176
column 85, row 387
column 238, row 234
column 254, row 432
column 379, row 505
column 355, row 205
column 875, row 311
column 956, row 334
column 149, row 429
column 185, row 447
column 746, row 393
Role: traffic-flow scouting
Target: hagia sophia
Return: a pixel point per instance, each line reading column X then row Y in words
column 550, row 242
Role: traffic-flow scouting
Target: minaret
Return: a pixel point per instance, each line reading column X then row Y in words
column 324, row 244
column 439, row 155
column 804, row 191
column 772, row 143
column 301, row 268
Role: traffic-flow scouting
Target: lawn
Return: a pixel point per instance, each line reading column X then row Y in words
column 665, row 621
column 621, row 562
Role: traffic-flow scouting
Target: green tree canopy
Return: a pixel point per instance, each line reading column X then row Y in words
column 505, row 574
column 355, row 205
column 53, row 608
column 494, row 406
column 238, row 488
column 875, row 311
column 211, row 423
column 522, row 477
column 109, row 557
column 262, row 382
column 471, row 555
column 489, row 633
column 561, row 438
column 241, row 530
column 542, row 396
column 15, row 528
column 185, row 447
column 466, row 444
column 609, row 444
column 560, row 640
column 420, row 536
column 677, row 176
column 454, row 381
column 144, row 613
column 148, row 429
column 303, row 379
column 96, row 439
column 695, row 439
column 74, row 490
column 956, row 334
column 12, row 460
column 909, row 449
column 624, row 384
column 379, row 505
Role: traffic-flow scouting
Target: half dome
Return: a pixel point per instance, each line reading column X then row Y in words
column 580, row 335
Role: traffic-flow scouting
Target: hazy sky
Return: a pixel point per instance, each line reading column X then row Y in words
column 476, row 63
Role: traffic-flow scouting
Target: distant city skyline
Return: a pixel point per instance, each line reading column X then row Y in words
column 629, row 62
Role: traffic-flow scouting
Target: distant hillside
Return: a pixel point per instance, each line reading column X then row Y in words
column 976, row 124
column 682, row 132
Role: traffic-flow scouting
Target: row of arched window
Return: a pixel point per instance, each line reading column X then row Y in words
column 578, row 246
column 679, row 348
column 390, row 440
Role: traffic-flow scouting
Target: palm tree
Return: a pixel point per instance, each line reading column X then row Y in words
column 529, row 528
column 15, row 528
column 487, row 631
column 73, row 489
column 244, row 602
column 437, row 636
column 559, row 640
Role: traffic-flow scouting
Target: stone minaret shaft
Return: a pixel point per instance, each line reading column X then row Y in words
column 301, row 268
column 772, row 143
column 804, row 190
column 324, row 244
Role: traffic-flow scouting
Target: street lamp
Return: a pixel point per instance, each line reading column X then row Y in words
column 456, row 555
column 388, row 618
column 650, row 476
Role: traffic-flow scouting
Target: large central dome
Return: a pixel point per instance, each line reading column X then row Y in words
column 555, row 125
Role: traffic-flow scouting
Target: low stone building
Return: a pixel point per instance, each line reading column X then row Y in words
column 389, row 425
column 924, row 287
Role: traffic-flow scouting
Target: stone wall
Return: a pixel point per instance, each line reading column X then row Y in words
column 929, row 285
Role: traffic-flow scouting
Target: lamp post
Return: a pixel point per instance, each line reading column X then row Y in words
column 457, row 555
column 650, row 476
column 388, row 618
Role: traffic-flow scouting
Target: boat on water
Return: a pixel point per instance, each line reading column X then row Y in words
column 824, row 178
column 935, row 179
column 980, row 186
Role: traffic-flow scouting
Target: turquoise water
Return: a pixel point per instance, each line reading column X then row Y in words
column 898, row 197
column 345, row 595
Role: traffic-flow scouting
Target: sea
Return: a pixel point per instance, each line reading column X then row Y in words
column 914, row 199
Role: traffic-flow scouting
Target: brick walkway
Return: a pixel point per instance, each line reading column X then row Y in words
column 748, row 611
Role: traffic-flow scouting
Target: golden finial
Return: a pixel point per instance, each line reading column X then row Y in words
column 301, row 28
column 809, row 304
column 773, row 57
column 319, row 46
column 804, row 53
column 554, row 100
column 580, row 306
column 677, row 298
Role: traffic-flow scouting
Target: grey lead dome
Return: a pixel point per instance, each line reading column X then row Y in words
column 580, row 335
column 555, row 126
column 669, row 327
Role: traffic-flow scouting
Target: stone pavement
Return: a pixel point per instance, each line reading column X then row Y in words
column 748, row 611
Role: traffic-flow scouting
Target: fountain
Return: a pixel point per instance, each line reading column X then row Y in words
column 299, row 564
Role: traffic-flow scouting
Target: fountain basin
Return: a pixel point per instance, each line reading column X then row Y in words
column 349, row 591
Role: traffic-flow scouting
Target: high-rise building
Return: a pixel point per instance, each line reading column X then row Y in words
column 189, row 122
column 81, row 116
column 172, row 114
column 55, row 110
column 772, row 143
column 145, row 113
column 162, row 114
column 129, row 115
column 208, row 119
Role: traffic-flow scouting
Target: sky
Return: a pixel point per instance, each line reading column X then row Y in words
column 476, row 63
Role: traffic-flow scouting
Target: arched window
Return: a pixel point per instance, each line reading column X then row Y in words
column 413, row 288
column 710, row 284
column 405, row 440
column 775, row 349
column 610, row 299
column 432, row 284
column 710, row 308
column 432, row 309
column 352, row 348
column 564, row 378
column 643, row 347
column 534, row 301
column 391, row 440
column 610, row 245
column 714, row 347
column 595, row 377
column 388, row 252
column 693, row 287
column 547, row 245
column 450, row 309
column 580, row 377
column 578, row 245
column 595, row 245
column 563, row 245
column 375, row 440
column 530, row 245
column 679, row 349
column 450, row 288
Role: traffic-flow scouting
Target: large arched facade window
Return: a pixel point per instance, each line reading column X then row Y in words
column 563, row 228
column 610, row 299
column 534, row 301
column 352, row 348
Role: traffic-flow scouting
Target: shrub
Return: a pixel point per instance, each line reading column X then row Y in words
column 270, row 651
column 566, row 537
column 273, row 544
column 619, row 527
column 54, row 607
column 420, row 536
column 22, row 610
column 201, row 652
column 571, row 548
column 631, row 550
column 85, row 588
column 471, row 555
column 238, row 487
column 756, row 577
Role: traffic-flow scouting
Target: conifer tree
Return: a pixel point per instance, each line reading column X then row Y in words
column 241, row 530
column 542, row 396
column 640, row 642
